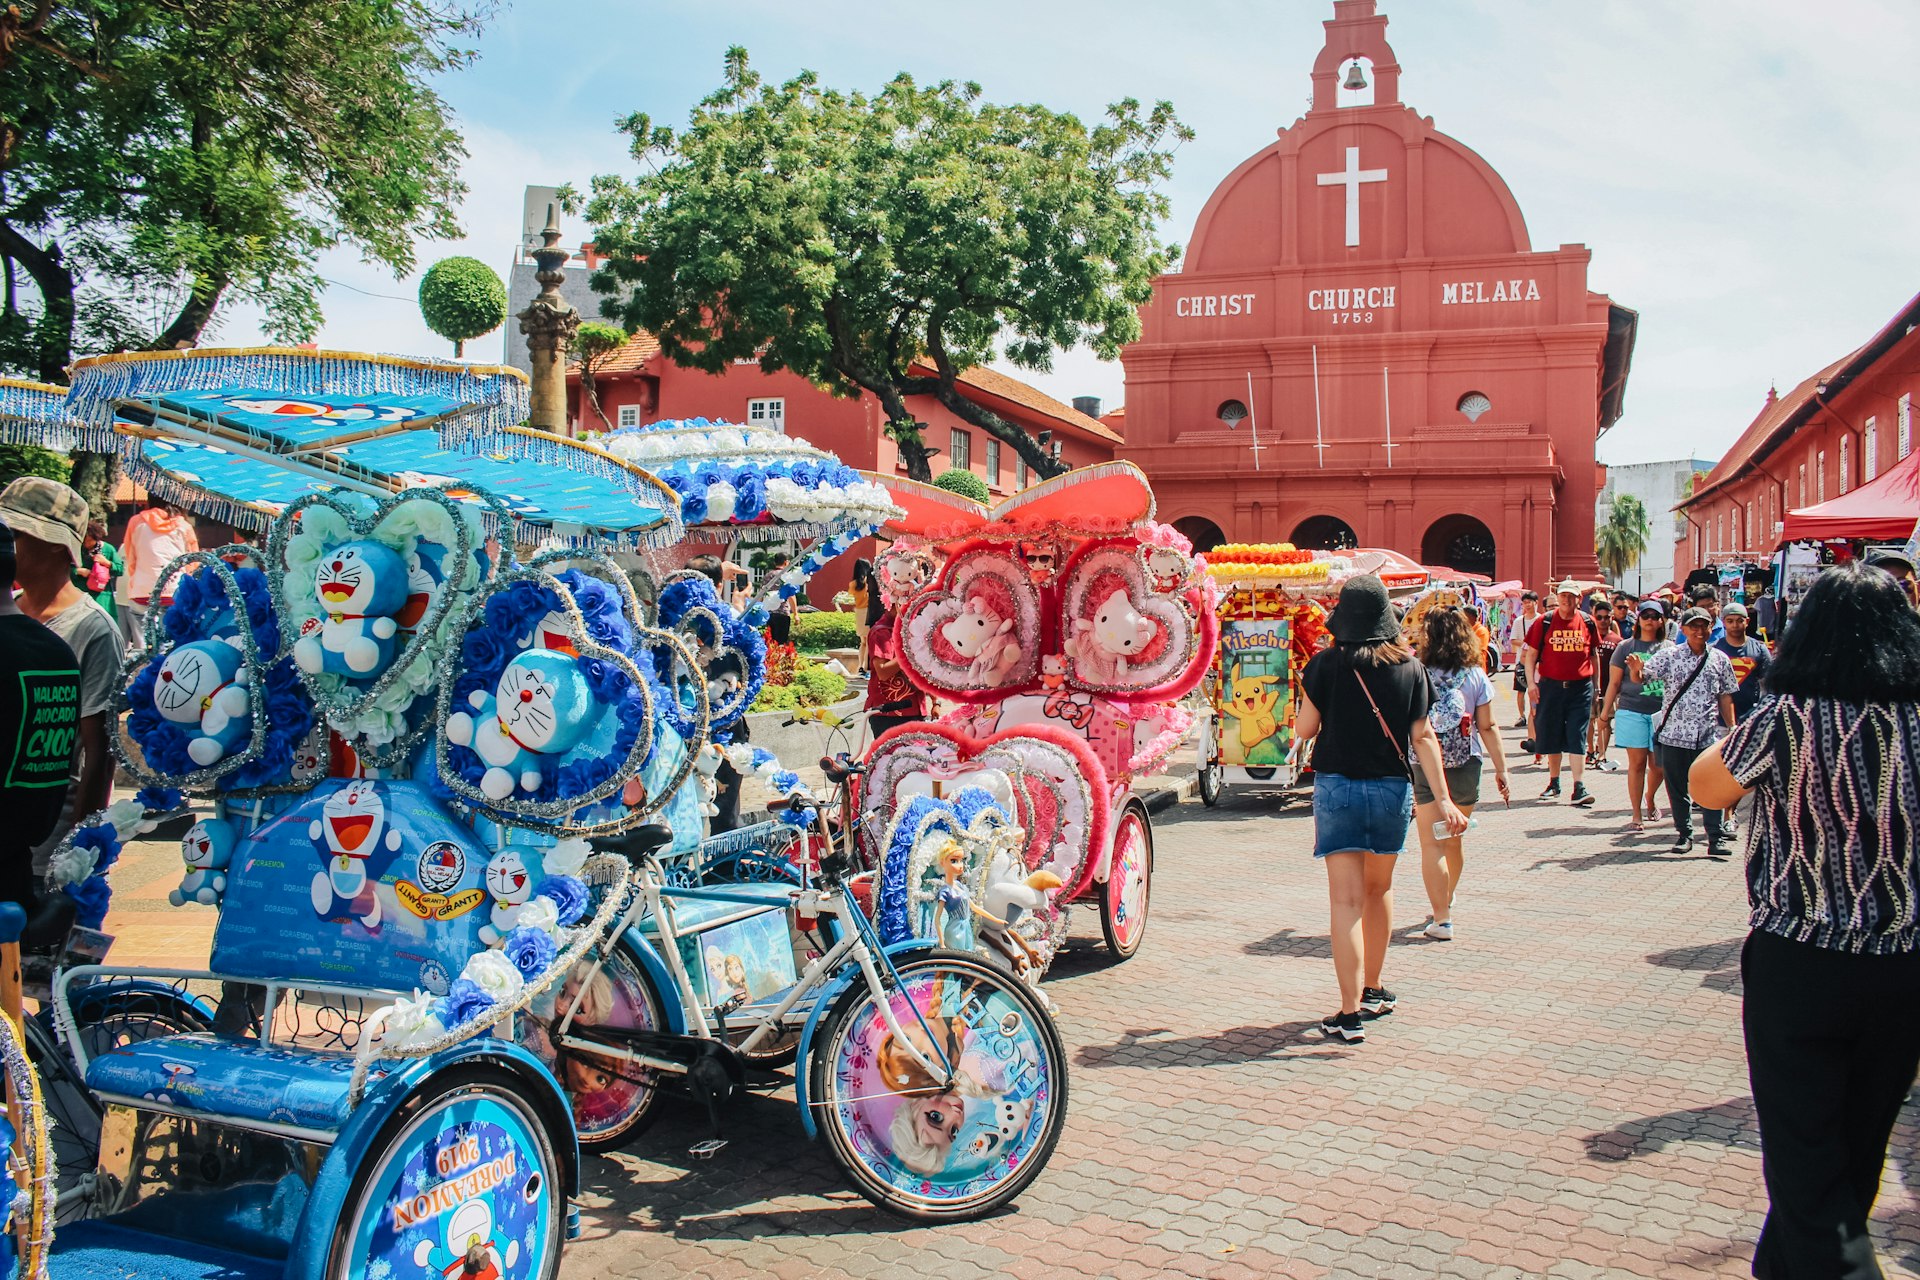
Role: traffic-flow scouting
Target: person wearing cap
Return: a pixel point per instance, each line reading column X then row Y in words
column 1698, row 684
column 1517, row 629
column 49, row 523
column 39, row 715
column 1630, row 706
column 1705, row 598
column 1559, row 661
column 1365, row 710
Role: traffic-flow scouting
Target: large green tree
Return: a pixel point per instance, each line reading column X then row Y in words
column 863, row 240
column 1622, row 536
column 158, row 158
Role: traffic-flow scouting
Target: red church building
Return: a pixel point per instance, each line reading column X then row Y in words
column 1363, row 348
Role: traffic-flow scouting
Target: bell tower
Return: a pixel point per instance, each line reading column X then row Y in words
column 1356, row 36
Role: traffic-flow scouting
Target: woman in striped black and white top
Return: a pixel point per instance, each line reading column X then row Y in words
column 1831, row 970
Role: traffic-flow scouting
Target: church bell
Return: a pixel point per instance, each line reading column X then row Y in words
column 1356, row 78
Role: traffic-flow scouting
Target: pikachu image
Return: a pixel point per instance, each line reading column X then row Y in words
column 1251, row 701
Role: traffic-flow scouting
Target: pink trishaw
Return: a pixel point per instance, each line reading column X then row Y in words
column 1062, row 629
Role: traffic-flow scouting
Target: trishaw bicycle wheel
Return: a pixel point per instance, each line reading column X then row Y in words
column 914, row 1148
column 464, row 1176
column 1125, row 896
column 1213, row 776
column 612, row 1099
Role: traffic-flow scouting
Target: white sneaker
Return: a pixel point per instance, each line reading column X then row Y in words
column 1440, row 931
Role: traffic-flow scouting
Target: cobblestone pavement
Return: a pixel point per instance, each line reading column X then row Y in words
column 1561, row 1093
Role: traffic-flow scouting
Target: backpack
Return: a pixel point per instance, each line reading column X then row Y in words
column 1452, row 718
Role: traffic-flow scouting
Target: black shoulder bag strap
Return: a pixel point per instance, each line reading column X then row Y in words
column 1381, row 720
column 1668, row 710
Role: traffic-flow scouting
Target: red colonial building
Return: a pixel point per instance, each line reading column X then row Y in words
column 1841, row 427
column 1361, row 297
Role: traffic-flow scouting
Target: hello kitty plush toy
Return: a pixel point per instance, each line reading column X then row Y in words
column 202, row 686
column 1103, row 645
column 207, row 849
column 361, row 586
column 541, row 707
column 983, row 636
column 510, row 885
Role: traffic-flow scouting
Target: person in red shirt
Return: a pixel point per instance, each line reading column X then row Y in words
column 1559, row 662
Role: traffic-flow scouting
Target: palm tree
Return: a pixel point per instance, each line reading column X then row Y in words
column 1621, row 539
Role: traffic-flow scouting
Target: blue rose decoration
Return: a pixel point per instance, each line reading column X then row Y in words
column 158, row 799
column 806, row 474
column 103, row 842
column 568, row 895
column 751, row 486
column 464, row 1002
column 785, row 780
column 530, row 950
column 92, row 895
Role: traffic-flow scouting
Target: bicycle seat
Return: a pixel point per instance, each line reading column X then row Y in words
column 49, row 923
column 641, row 842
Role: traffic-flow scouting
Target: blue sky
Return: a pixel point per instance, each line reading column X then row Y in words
column 1743, row 173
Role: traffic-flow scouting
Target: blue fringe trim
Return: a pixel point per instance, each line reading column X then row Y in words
column 36, row 414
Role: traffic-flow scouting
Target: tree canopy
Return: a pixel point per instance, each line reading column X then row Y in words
column 965, row 483
column 158, row 158
column 886, row 243
column 1622, row 536
column 593, row 343
column 462, row 298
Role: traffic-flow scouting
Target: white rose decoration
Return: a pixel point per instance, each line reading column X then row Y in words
column 70, row 864
column 538, row 913
column 494, row 974
column 568, row 858
column 720, row 500
column 412, row 1023
column 129, row 819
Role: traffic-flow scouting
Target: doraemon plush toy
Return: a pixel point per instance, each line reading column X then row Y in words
column 202, row 686
column 541, row 707
column 207, row 849
column 360, row 586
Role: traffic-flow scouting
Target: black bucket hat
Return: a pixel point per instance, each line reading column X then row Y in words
column 1363, row 614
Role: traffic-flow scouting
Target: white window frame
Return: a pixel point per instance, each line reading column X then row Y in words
column 960, row 448
column 768, row 411
column 627, row 415
column 1870, row 451
column 1906, row 423
column 993, row 461
column 1803, row 486
column 1019, row 473
column 1845, row 461
column 1820, row 478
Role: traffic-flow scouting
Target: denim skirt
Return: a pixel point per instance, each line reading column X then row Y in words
column 1360, row 815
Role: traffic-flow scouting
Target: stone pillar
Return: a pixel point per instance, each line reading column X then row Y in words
column 549, row 323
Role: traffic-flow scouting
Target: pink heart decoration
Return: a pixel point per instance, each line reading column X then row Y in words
column 977, row 633
column 1058, row 787
column 1106, row 597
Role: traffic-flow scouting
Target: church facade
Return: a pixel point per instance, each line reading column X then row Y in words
column 1362, row 347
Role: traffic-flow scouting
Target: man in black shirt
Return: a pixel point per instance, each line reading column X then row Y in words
column 39, row 723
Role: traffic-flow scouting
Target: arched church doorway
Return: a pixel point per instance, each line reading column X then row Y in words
column 1459, row 542
column 1203, row 533
column 1324, row 533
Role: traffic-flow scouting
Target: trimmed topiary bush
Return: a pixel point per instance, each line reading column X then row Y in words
column 819, row 632
column 462, row 298
column 964, row 483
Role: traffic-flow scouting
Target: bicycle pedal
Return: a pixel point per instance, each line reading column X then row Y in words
column 707, row 1149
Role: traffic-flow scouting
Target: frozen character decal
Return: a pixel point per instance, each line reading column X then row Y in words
column 360, row 587
column 352, row 827
column 207, row 850
column 509, row 885
column 541, row 707
column 469, row 1251
column 202, row 687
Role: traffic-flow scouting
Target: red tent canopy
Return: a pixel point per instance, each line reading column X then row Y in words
column 1887, row 506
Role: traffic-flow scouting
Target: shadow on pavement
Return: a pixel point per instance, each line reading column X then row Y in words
column 1730, row 1124
column 1718, row 961
column 1317, row 946
column 1159, row 1047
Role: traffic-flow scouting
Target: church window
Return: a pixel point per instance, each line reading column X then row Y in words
column 1906, row 424
column 1472, row 405
column 1231, row 414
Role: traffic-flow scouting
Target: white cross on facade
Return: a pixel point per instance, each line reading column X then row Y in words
column 1351, row 178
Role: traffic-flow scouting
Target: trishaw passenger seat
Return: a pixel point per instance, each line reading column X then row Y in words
column 640, row 843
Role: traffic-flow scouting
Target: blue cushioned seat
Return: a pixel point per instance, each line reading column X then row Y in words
column 240, row 1080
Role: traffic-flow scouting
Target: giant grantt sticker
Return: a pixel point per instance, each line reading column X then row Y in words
column 462, row 1197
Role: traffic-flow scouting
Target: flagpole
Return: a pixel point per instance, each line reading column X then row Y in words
column 1253, row 420
column 1319, row 442
column 1386, row 398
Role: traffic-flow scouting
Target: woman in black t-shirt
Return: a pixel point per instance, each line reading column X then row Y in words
column 1366, row 708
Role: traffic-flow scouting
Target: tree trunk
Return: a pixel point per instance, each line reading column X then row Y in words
column 906, row 433
column 194, row 316
column 591, row 390
column 1044, row 464
column 53, row 333
column 95, row 476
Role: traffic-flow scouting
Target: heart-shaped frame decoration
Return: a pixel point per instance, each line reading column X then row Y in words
column 977, row 633
column 212, row 657
column 1055, row 781
column 547, row 713
column 731, row 656
column 1121, row 636
column 377, row 712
